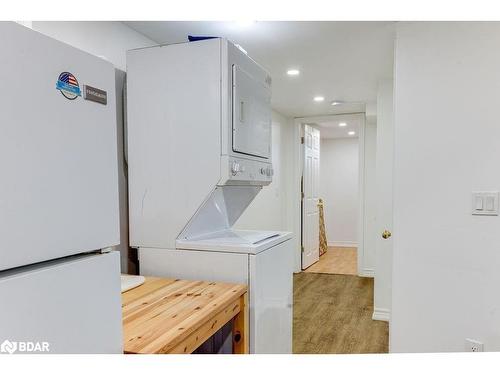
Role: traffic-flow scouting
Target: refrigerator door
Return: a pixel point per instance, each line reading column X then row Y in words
column 58, row 152
column 271, row 300
column 73, row 305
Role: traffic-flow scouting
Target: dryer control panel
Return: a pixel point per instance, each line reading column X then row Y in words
column 239, row 171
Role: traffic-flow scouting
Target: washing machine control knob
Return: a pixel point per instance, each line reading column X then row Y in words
column 235, row 168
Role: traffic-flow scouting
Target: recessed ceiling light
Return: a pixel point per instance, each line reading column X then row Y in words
column 293, row 72
column 342, row 124
column 351, row 133
column 335, row 102
column 319, row 98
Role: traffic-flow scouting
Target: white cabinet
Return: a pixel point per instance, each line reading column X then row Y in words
column 271, row 300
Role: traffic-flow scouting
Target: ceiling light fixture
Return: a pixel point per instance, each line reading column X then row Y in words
column 319, row 98
column 342, row 124
column 336, row 102
column 351, row 133
column 293, row 72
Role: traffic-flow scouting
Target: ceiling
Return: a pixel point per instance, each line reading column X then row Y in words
column 330, row 126
column 341, row 61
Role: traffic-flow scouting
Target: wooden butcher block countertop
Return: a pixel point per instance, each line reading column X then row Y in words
column 177, row 316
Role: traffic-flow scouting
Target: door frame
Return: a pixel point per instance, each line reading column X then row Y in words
column 297, row 189
column 304, row 197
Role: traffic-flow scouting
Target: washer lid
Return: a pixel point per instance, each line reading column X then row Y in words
column 235, row 241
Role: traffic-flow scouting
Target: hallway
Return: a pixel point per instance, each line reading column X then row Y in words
column 333, row 315
column 336, row 260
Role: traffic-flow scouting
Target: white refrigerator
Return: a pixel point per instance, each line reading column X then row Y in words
column 59, row 214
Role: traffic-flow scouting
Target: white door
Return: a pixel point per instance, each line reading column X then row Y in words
column 251, row 115
column 310, row 184
column 59, row 184
column 73, row 304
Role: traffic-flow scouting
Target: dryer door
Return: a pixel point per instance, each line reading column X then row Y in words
column 251, row 115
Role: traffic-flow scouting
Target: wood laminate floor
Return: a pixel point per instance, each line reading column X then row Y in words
column 333, row 314
column 337, row 260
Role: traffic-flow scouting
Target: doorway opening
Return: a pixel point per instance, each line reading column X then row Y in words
column 339, row 283
column 331, row 194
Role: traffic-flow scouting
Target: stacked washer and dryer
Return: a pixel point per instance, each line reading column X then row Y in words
column 199, row 151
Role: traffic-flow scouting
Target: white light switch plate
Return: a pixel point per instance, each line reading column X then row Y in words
column 485, row 203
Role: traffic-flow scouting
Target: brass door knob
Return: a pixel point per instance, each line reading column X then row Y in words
column 386, row 234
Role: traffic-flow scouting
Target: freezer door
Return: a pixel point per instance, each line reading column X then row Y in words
column 251, row 115
column 271, row 300
column 73, row 305
column 58, row 152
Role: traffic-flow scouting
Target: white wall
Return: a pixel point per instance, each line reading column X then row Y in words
column 339, row 166
column 270, row 210
column 106, row 39
column 446, row 277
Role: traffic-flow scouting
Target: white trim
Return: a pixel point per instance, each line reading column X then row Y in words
column 361, row 197
column 296, row 193
column 343, row 244
column 367, row 272
column 381, row 314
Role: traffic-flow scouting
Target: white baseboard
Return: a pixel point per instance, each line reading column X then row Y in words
column 367, row 272
column 381, row 314
column 343, row 244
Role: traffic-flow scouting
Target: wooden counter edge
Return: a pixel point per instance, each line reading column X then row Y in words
column 206, row 329
column 240, row 327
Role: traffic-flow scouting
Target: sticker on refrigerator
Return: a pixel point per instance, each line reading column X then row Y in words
column 95, row 95
column 68, row 85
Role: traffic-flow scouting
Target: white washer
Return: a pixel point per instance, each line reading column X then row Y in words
column 263, row 260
